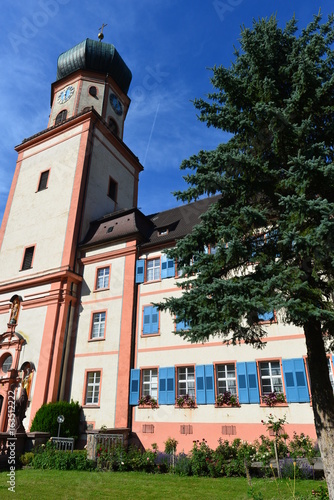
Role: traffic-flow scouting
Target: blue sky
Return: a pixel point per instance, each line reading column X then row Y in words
column 168, row 45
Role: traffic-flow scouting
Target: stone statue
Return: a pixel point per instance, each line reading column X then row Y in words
column 26, row 381
column 14, row 312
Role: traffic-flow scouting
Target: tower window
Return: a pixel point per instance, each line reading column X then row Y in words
column 27, row 259
column 113, row 126
column 93, row 91
column 112, row 189
column 61, row 117
column 43, row 180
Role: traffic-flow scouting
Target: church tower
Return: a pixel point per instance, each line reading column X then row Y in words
column 76, row 170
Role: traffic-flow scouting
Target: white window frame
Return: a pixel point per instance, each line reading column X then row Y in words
column 102, row 277
column 186, row 381
column 93, row 388
column 149, row 386
column 226, row 379
column 153, row 269
column 98, row 325
column 275, row 379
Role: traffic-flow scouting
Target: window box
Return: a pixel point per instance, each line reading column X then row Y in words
column 227, row 399
column 147, row 402
column 274, row 399
column 185, row 401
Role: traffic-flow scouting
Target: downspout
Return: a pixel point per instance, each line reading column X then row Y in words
column 64, row 357
column 133, row 340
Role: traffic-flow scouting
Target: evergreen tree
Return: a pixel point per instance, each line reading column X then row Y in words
column 272, row 225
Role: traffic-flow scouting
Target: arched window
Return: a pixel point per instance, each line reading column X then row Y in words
column 6, row 363
column 61, row 117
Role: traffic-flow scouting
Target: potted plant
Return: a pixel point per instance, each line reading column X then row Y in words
column 185, row 401
column 227, row 399
column 273, row 398
column 147, row 401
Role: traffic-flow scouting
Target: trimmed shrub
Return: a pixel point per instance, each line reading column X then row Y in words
column 47, row 457
column 27, row 458
column 46, row 419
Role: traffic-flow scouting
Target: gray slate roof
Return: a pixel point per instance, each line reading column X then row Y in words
column 159, row 229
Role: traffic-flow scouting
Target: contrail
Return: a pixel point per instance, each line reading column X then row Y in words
column 149, row 139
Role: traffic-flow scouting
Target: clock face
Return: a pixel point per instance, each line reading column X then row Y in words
column 65, row 94
column 116, row 104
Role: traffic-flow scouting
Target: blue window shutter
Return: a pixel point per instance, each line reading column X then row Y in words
column 147, row 319
column 134, row 386
column 170, row 268
column 140, row 268
column 166, row 386
column 242, row 383
column 155, row 320
column 162, row 386
column 253, row 386
column 267, row 316
column 170, row 385
column 167, row 267
column 180, row 325
column 150, row 320
column 295, row 381
column 163, row 266
column 200, row 385
column 209, row 385
column 290, row 381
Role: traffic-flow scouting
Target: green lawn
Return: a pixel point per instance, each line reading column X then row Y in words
column 34, row 484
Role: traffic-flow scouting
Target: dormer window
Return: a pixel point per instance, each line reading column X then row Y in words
column 163, row 231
